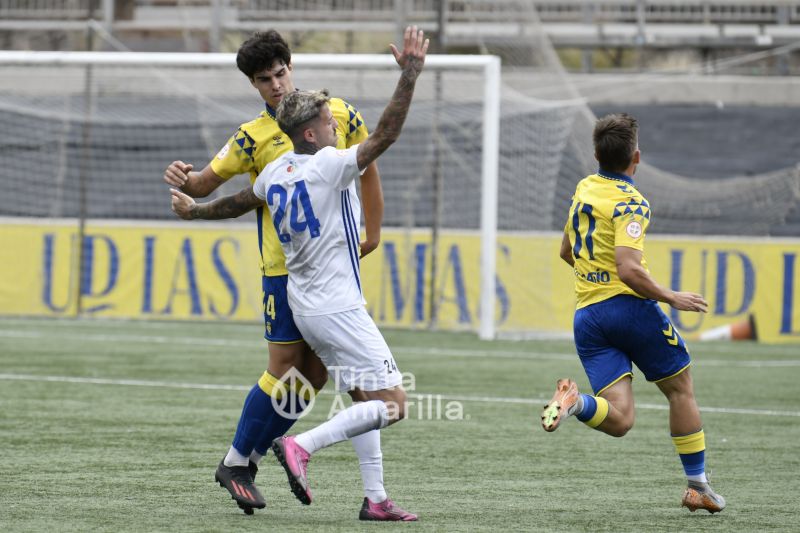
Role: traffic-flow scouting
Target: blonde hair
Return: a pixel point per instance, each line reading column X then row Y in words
column 299, row 107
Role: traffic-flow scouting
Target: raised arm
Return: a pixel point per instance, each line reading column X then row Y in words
column 231, row 206
column 411, row 60
column 372, row 202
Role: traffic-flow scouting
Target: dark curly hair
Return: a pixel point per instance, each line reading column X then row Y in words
column 260, row 52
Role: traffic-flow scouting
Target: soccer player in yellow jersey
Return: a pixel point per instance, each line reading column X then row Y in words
column 265, row 59
column 618, row 321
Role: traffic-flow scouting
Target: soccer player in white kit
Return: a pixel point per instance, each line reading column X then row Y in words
column 312, row 199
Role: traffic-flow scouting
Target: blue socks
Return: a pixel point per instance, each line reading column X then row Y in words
column 276, row 426
column 692, row 451
column 694, row 464
column 588, row 410
column 260, row 422
column 256, row 414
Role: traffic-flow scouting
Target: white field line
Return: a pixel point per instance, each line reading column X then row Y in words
column 203, row 341
column 248, row 329
column 420, row 396
column 409, row 351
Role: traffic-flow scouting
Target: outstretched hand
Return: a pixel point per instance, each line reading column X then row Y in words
column 689, row 301
column 177, row 173
column 182, row 204
column 415, row 46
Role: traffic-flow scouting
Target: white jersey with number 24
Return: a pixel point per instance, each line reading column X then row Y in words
column 314, row 208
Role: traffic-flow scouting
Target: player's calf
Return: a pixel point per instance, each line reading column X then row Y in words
column 395, row 399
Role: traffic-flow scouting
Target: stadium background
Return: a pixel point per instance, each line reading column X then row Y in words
column 718, row 112
column 116, row 424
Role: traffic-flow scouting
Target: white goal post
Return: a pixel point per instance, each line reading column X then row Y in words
column 485, row 68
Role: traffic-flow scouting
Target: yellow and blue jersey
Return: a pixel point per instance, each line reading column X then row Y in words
column 259, row 142
column 606, row 211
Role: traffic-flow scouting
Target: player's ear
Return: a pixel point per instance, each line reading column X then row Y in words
column 309, row 136
column 637, row 155
column 596, row 158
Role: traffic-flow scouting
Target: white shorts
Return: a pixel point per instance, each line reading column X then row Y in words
column 352, row 348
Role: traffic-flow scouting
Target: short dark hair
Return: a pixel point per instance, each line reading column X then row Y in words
column 615, row 141
column 260, row 52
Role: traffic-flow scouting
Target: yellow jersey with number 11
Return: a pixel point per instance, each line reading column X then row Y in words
column 606, row 211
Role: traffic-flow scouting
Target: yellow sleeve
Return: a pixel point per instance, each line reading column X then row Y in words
column 630, row 224
column 236, row 157
column 350, row 121
column 568, row 223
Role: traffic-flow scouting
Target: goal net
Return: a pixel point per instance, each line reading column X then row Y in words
column 88, row 136
column 748, row 205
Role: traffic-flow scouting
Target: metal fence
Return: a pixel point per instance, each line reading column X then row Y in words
column 366, row 14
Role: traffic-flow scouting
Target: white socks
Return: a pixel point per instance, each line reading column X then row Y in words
column 700, row 478
column 370, row 460
column 234, row 458
column 256, row 457
column 578, row 408
column 353, row 421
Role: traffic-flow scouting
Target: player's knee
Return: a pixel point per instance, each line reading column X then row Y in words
column 313, row 369
column 318, row 383
column 316, row 377
column 358, row 395
column 396, row 405
column 620, row 431
column 402, row 400
column 681, row 396
column 396, row 411
column 621, row 428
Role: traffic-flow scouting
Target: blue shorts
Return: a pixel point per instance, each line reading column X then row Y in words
column 612, row 334
column 279, row 323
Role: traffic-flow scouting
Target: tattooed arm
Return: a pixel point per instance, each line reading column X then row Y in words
column 411, row 60
column 226, row 207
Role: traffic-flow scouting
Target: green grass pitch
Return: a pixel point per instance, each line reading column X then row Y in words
column 118, row 426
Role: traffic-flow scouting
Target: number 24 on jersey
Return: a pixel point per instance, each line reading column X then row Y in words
column 299, row 200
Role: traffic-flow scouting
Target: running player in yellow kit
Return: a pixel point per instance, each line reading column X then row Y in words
column 618, row 321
